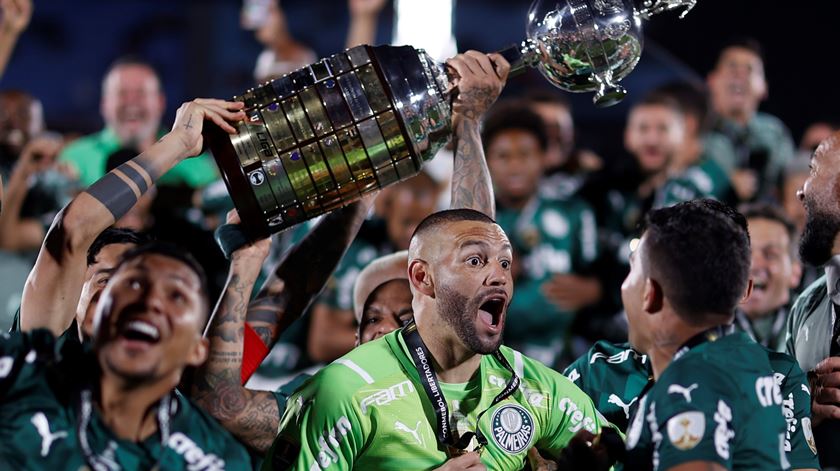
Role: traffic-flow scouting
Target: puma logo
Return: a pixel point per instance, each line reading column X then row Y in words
column 401, row 427
column 613, row 399
column 686, row 392
column 42, row 425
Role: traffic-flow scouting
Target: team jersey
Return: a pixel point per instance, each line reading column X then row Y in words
column 717, row 402
column 41, row 424
column 706, row 179
column 613, row 375
column 368, row 410
column 549, row 236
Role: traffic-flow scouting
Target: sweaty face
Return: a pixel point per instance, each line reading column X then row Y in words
column 737, row 85
column 654, row 134
column 473, row 283
column 632, row 296
column 387, row 309
column 820, row 195
column 132, row 103
column 771, row 269
column 96, row 278
column 515, row 161
column 149, row 320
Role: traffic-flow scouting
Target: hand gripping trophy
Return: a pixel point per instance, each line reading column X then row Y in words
column 322, row 136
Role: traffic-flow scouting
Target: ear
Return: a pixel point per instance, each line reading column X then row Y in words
column 795, row 274
column 653, row 297
column 421, row 278
column 198, row 354
column 748, row 292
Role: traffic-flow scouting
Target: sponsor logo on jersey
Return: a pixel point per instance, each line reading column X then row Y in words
column 613, row 399
column 574, row 375
column 656, row 435
column 685, row 391
column 576, row 416
column 329, row 444
column 788, row 406
column 686, row 430
column 513, row 428
column 554, row 224
column 616, row 358
column 809, row 434
column 42, row 425
column 383, row 397
column 722, row 432
column 414, row 432
column 635, row 430
column 196, row 458
column 767, row 391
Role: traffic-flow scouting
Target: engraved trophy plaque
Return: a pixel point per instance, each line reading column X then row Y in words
column 322, row 136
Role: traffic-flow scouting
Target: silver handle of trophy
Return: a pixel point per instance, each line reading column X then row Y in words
column 654, row 7
column 521, row 57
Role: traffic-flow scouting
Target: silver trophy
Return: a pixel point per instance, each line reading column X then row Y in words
column 320, row 137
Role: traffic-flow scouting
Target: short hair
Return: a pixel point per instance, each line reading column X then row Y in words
column 771, row 213
column 132, row 60
column 115, row 235
column 513, row 115
column 699, row 252
column 741, row 42
column 447, row 216
column 690, row 98
column 656, row 98
column 172, row 251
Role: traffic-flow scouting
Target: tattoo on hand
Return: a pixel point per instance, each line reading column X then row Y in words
column 189, row 123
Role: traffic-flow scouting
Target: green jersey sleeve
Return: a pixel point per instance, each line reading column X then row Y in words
column 572, row 411
column 18, row 352
column 800, row 447
column 322, row 427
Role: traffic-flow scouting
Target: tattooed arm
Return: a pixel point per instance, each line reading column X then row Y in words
column 302, row 274
column 251, row 416
column 480, row 79
column 54, row 285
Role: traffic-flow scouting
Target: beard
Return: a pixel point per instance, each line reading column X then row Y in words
column 454, row 308
column 817, row 242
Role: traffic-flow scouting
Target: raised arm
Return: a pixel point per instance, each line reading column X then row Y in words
column 54, row 285
column 302, row 274
column 363, row 17
column 25, row 234
column 480, row 79
column 251, row 416
column 14, row 18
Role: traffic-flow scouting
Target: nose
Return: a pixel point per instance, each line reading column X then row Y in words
column 497, row 275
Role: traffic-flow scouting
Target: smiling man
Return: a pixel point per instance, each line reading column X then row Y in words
column 442, row 387
column 116, row 408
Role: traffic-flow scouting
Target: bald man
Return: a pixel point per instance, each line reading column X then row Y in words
column 813, row 331
column 443, row 387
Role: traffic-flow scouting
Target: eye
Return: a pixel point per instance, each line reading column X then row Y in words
column 102, row 281
column 134, row 283
column 475, row 261
column 505, row 264
column 372, row 320
column 178, row 297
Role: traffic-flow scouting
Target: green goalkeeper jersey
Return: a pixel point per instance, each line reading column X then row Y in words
column 43, row 424
column 718, row 401
column 368, row 410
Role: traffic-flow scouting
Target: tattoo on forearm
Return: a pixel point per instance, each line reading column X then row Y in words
column 471, row 184
column 120, row 188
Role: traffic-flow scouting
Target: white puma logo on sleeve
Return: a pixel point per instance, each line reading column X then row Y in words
column 686, row 392
column 613, row 399
column 42, row 425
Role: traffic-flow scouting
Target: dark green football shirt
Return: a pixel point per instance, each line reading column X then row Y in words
column 613, row 375
column 719, row 402
column 40, row 411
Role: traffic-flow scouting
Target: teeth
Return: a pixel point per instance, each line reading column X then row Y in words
column 144, row 328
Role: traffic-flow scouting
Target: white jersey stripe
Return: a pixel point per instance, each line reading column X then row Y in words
column 517, row 364
column 358, row 369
